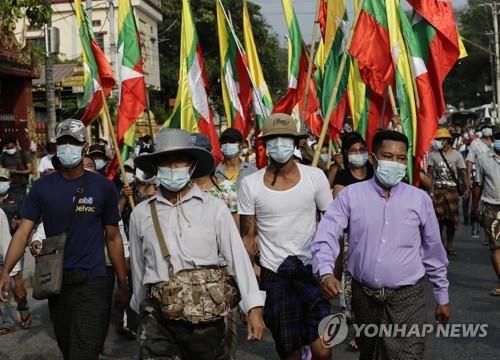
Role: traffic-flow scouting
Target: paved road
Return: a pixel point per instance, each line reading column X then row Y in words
column 471, row 278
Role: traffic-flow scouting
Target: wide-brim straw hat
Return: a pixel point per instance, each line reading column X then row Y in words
column 280, row 125
column 176, row 141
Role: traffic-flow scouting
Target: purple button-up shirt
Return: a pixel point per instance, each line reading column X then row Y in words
column 393, row 241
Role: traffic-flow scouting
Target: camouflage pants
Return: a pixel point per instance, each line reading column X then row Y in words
column 164, row 339
column 490, row 215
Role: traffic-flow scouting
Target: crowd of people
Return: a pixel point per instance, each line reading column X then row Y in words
column 189, row 248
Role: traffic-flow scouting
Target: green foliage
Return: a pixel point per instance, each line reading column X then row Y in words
column 36, row 11
column 466, row 82
column 205, row 18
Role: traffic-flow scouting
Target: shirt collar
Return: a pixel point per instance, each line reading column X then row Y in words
column 380, row 191
column 195, row 192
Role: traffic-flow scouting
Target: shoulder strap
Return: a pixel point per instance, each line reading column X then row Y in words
column 159, row 233
column 453, row 175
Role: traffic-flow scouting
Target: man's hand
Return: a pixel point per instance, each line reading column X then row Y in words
column 330, row 286
column 443, row 313
column 35, row 247
column 4, row 287
column 255, row 325
column 338, row 160
column 122, row 297
column 466, row 194
column 127, row 191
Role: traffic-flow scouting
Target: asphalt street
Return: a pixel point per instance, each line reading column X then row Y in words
column 471, row 277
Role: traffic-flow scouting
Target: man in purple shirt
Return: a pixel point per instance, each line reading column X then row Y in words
column 394, row 241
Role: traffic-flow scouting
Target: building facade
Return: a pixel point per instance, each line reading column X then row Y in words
column 148, row 15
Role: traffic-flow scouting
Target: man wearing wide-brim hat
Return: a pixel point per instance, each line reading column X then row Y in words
column 282, row 200
column 447, row 169
column 178, row 239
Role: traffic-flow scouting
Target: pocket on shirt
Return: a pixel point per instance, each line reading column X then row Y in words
column 410, row 231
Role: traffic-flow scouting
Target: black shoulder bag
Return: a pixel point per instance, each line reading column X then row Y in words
column 49, row 263
column 460, row 186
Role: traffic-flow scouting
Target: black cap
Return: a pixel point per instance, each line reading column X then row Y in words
column 97, row 149
column 231, row 135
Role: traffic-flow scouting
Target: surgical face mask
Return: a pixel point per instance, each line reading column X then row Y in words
column 438, row 144
column 496, row 144
column 69, row 155
column 4, row 187
column 487, row 132
column 479, row 134
column 100, row 164
column 358, row 160
column 280, row 149
column 324, row 157
column 230, row 150
column 173, row 179
column 390, row 173
column 130, row 178
column 11, row 151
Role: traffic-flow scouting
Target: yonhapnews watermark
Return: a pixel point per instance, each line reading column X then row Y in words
column 333, row 330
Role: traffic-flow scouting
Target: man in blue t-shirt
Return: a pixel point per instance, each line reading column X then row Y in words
column 80, row 313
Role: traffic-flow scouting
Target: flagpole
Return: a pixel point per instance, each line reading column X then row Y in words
column 115, row 144
column 240, row 50
column 150, row 126
column 335, row 89
column 310, row 65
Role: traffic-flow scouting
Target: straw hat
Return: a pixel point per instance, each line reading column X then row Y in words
column 443, row 133
column 176, row 141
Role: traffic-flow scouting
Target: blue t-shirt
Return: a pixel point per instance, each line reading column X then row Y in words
column 51, row 198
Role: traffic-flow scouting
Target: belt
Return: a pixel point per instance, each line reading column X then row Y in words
column 381, row 294
column 492, row 205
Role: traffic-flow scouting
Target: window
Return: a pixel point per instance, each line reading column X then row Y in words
column 96, row 22
column 99, row 38
column 37, row 44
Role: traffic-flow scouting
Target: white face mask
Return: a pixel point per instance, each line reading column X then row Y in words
column 358, row 160
column 324, row 157
column 4, row 187
column 174, row 179
column 390, row 173
column 11, row 151
column 280, row 149
column 130, row 178
column 69, row 155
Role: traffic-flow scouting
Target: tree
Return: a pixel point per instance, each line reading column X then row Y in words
column 204, row 15
column 36, row 11
column 466, row 82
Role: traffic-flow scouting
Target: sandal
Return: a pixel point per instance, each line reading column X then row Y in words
column 5, row 331
column 26, row 319
column 495, row 292
column 451, row 252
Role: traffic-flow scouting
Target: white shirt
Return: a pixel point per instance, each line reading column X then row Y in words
column 286, row 220
column 476, row 148
column 5, row 241
column 199, row 231
column 45, row 164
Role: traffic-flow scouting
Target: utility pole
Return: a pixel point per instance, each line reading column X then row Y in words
column 497, row 56
column 49, row 81
column 112, row 43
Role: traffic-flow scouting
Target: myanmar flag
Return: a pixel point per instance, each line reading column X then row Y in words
column 97, row 73
column 297, row 77
column 192, row 111
column 262, row 101
column 235, row 80
column 436, row 33
column 131, row 77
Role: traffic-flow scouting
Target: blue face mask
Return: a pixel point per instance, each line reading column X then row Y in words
column 173, row 179
column 100, row 164
column 358, row 160
column 4, row 187
column 390, row 173
column 438, row 145
column 230, row 150
column 280, row 149
column 496, row 144
column 69, row 155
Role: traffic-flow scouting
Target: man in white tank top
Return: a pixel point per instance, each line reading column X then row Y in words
column 280, row 203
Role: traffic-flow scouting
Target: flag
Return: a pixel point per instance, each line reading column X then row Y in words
column 235, row 80
column 370, row 46
column 405, row 91
column 263, row 103
column 97, row 73
column 131, row 78
column 334, row 47
column 436, row 35
column 293, row 100
column 192, row 111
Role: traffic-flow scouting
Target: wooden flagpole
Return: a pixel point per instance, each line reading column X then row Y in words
column 115, row 144
column 335, row 89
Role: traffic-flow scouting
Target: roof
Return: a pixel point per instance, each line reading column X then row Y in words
column 61, row 72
